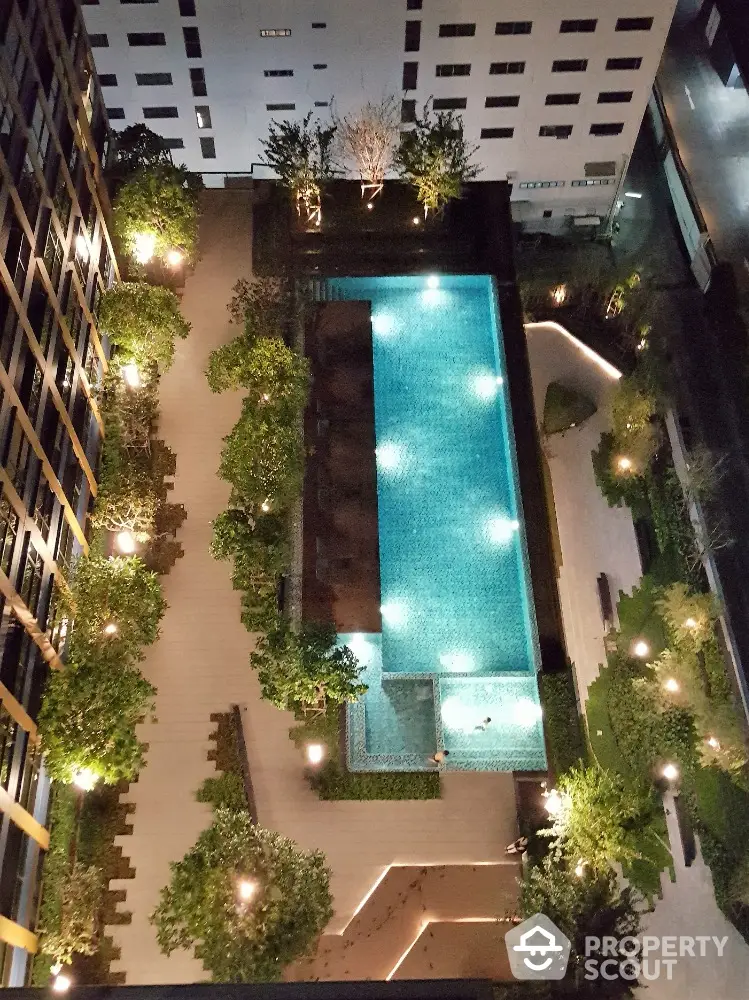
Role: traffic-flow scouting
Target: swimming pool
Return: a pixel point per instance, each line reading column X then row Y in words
column 455, row 588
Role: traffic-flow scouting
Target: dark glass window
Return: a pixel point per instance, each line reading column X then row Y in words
column 503, row 101
column 569, row 66
column 280, row 107
column 413, row 36
column 197, row 79
column 278, row 72
column 115, row 113
column 175, row 143
column 453, row 69
column 99, row 40
column 192, row 43
column 153, row 79
column 513, row 27
column 624, row 62
column 408, row 112
column 141, row 38
column 187, row 8
column 607, row 128
column 449, row 103
column 457, row 30
column 556, row 131
column 587, row 24
column 161, row 111
column 497, row 133
column 410, row 75
column 615, row 97
column 208, row 147
column 562, row 98
column 413, row 4
column 108, row 79
column 634, row 24
column 500, row 68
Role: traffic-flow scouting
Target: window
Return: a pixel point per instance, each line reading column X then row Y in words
column 413, row 4
column 615, row 97
column 115, row 113
column 542, row 184
column 562, row 98
column 607, row 128
column 108, row 79
column 280, row 107
column 275, row 32
column 408, row 112
column 555, row 131
column 99, row 41
column 502, row 102
column 569, row 65
column 197, row 79
column 141, row 38
column 187, row 8
column 500, row 68
column 457, row 30
column 153, row 79
column 413, row 36
column 410, row 75
column 203, row 116
column 453, row 69
column 322, row 104
column 174, row 143
column 319, row 24
column 547, row 213
column 624, row 62
column 513, row 28
column 587, row 24
column 634, row 24
column 319, row 66
column 192, row 43
column 208, row 147
column 161, row 112
column 497, row 133
column 278, row 72
column 590, row 181
column 449, row 103
column 600, row 168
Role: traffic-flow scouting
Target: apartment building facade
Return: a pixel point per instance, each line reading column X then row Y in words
column 553, row 94
column 55, row 262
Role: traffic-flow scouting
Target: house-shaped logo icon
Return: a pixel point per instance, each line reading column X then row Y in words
column 537, row 949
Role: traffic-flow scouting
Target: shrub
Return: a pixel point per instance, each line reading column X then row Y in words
column 565, row 736
column 565, row 408
column 201, row 909
column 262, row 307
column 143, row 321
column 300, row 152
column 275, row 377
column 617, row 487
column 75, row 933
column 225, row 791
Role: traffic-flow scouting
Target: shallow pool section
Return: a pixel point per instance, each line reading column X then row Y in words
column 457, row 619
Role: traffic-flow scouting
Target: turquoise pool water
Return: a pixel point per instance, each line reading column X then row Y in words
column 455, row 588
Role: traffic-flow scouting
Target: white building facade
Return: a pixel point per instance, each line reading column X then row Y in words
column 552, row 92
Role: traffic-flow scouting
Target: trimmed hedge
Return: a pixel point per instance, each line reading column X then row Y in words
column 565, row 732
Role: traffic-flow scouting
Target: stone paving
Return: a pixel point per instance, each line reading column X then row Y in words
column 200, row 666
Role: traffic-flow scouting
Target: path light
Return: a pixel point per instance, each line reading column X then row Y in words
column 110, row 629
column 690, row 623
column 553, row 802
column 559, row 294
column 624, row 464
column 670, row 772
column 265, row 398
column 315, row 753
column 712, row 742
column 174, row 258
column 144, row 245
column 125, row 542
column 580, row 868
column 416, row 220
column 131, row 375
column 246, row 889
column 641, row 649
column 56, row 968
column 61, row 983
column 85, row 779
column 265, row 506
column 671, row 684
column 370, row 206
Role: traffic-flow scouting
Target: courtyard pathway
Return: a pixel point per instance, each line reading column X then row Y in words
column 200, row 666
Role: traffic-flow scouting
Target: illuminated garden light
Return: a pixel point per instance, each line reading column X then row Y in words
column 580, row 868
column 624, row 464
column 81, row 247
column 559, row 294
column 85, row 779
column 416, row 221
column 246, row 889
column 174, row 258
column 144, row 245
column 553, row 802
column 641, row 649
column 712, row 742
column 125, row 542
column 110, row 629
column 61, row 983
column 131, row 375
column 265, row 506
column 690, row 623
column 315, row 753
column 370, row 206
column 670, row 772
column 671, row 685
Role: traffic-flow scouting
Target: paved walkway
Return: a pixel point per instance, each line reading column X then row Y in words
column 711, row 124
column 200, row 666
column 594, row 537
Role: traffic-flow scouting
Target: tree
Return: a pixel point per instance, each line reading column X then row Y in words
column 369, row 138
column 262, row 306
column 80, row 898
column 636, row 437
column 157, row 208
column 263, row 459
column 244, row 941
column 434, row 157
column 88, row 717
column 274, row 376
column 143, row 321
column 138, row 148
column 126, row 506
column 618, row 486
column 306, row 669
column 116, row 592
column 258, row 547
column 301, row 155
column 587, row 905
column 690, row 617
column 600, row 817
